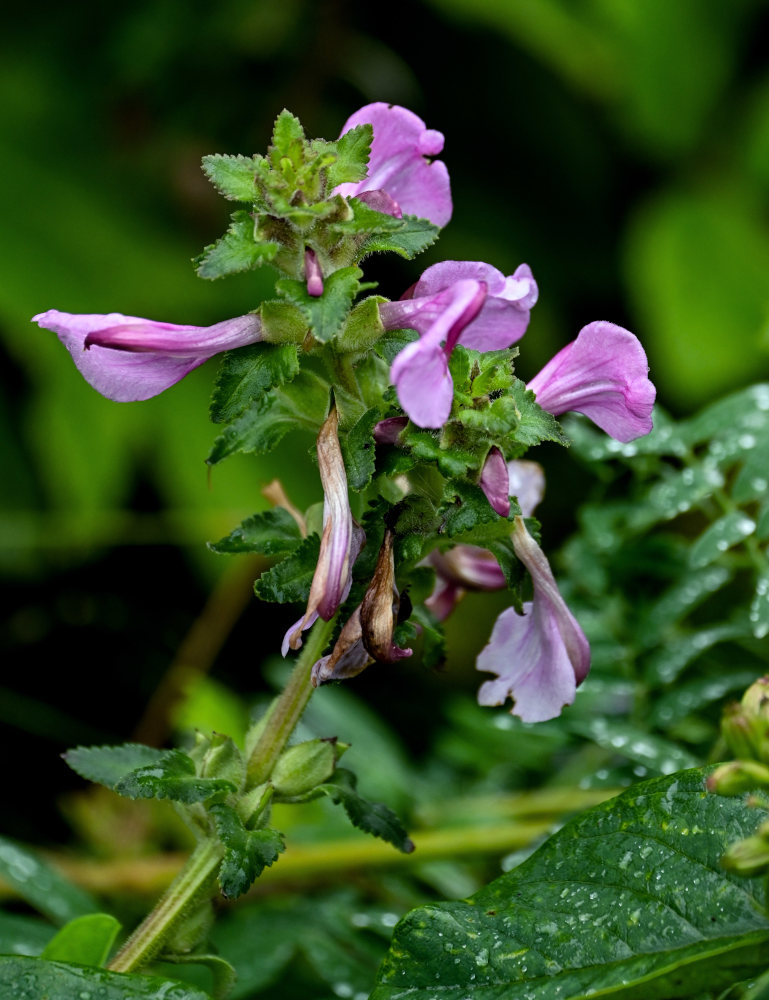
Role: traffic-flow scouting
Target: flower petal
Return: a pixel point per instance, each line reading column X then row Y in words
column 495, row 482
column 603, row 374
column 526, row 482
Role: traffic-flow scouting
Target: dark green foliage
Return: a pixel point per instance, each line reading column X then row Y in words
column 246, row 852
column 33, row 979
column 172, row 776
column 42, row 885
column 269, row 532
column 247, row 374
column 289, row 581
column 109, row 765
column 371, row 817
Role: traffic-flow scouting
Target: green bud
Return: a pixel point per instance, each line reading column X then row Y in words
column 738, row 732
column 223, row 760
column 303, row 767
column 749, row 856
column 282, row 323
column 755, row 701
column 737, row 777
column 192, row 930
column 362, row 328
column 745, row 727
column 253, row 804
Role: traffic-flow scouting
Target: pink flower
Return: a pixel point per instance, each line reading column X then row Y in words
column 603, row 374
column 126, row 358
column 400, row 177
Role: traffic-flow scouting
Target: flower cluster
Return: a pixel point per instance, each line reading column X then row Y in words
column 449, row 400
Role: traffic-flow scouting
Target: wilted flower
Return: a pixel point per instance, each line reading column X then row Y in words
column 127, row 359
column 603, row 374
column 400, row 179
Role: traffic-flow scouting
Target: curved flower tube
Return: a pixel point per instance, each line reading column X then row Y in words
column 466, row 302
column 541, row 656
column 603, row 374
column 495, row 481
column 398, row 165
column 128, row 359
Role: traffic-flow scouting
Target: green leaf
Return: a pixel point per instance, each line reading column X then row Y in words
column 269, row 532
column 232, row 176
column 469, row 517
column 301, row 404
column 109, row 765
column 410, row 239
column 664, row 665
column 223, row 975
column 22, row 935
column 759, row 607
column 172, row 776
column 678, row 600
column 34, row 979
column 86, row 940
column 433, row 637
column 626, row 900
column 328, row 311
column 236, row 251
column 42, row 886
column 635, row 744
column 289, row 581
column 393, row 342
column 535, row 425
column 247, row 374
column 371, row 817
column 246, row 852
column 729, row 530
column 287, row 135
column 352, row 150
column 359, row 451
column 688, row 698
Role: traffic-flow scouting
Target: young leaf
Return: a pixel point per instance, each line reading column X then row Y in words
column 247, row 374
column 412, row 237
column 108, row 765
column 246, row 852
column 759, row 608
column 352, row 151
column 34, row 979
column 626, row 900
column 359, row 451
column 371, row 817
column 289, row 581
column 287, row 135
column 42, row 886
column 731, row 529
column 86, row 940
column 269, row 533
column 328, row 311
column 172, row 776
column 232, row 176
column 236, row 251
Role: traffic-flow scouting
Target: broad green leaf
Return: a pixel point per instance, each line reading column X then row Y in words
column 410, row 239
column 34, row 979
column 270, row 532
column 371, row 817
column 352, row 150
column 759, row 607
column 108, row 765
column 721, row 535
column 247, row 374
column 86, row 940
column 236, row 251
column 626, row 900
column 302, row 403
column 232, row 176
column 328, row 311
column 636, row 744
column 22, row 935
column 173, row 777
column 42, row 886
column 246, row 852
column 359, row 451
column 289, row 581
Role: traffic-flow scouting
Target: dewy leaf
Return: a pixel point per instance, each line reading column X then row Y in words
column 42, row 886
column 269, row 533
column 86, row 940
column 34, row 979
column 413, row 236
column 246, row 852
column 172, row 776
column 108, row 765
column 352, row 150
column 232, row 176
column 371, row 817
column 328, row 311
column 359, row 451
column 729, row 530
column 627, row 900
column 289, row 581
column 759, row 608
column 247, row 374
column 236, row 251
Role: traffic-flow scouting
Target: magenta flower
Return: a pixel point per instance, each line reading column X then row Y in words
column 495, row 481
column 603, row 374
column 541, row 656
column 398, row 166
column 126, row 358
column 466, row 302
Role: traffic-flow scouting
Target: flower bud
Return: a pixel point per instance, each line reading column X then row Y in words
column 222, row 759
column 749, row 856
column 745, row 727
column 737, row 777
column 305, row 766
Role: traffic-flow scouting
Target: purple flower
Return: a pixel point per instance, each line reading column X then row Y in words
column 126, row 358
column 398, row 167
column 603, row 374
column 340, row 543
column 541, row 656
column 455, row 301
column 495, row 481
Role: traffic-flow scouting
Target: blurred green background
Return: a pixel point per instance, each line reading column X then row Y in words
column 620, row 148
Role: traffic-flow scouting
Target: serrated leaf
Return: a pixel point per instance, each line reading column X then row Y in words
column 41, row 885
column 86, row 940
column 232, row 176
column 470, row 510
column 287, row 134
column 269, row 532
column 246, row 852
column 247, row 374
column 108, row 765
column 327, row 312
column 34, row 979
column 414, row 236
column 371, row 817
column 352, row 150
column 236, row 251
column 535, row 425
column 450, row 460
column 759, row 607
column 359, row 451
column 289, row 581
column 389, row 347
column 302, row 403
column 173, row 777
column 720, row 536
column 366, row 220
column 626, row 900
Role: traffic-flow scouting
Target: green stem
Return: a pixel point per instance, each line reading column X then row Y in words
column 287, row 710
column 193, row 882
